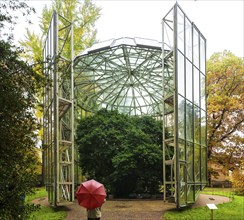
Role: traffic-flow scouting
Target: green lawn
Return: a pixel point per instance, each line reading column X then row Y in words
column 49, row 213
column 232, row 210
column 39, row 192
column 45, row 212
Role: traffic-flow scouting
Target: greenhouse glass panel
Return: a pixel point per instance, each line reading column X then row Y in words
column 203, row 91
column 197, row 162
column 202, row 54
column 181, row 117
column 187, row 96
column 181, row 74
column 189, row 161
column 124, row 72
column 182, row 149
column 189, row 121
column 129, row 75
column 180, row 30
column 183, row 195
column 190, row 193
column 197, row 127
column 188, row 39
column 204, row 168
column 203, row 128
column 196, row 47
column 197, row 190
column 196, row 84
column 189, row 81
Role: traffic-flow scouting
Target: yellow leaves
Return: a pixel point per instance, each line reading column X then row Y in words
column 33, row 47
column 237, row 179
column 38, row 113
column 225, row 89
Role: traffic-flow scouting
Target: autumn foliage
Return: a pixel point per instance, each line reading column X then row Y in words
column 238, row 180
column 225, row 102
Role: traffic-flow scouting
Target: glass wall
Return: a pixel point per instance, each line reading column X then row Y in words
column 187, row 48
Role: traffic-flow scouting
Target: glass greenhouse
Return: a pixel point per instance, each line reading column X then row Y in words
column 123, row 74
column 184, row 108
column 136, row 76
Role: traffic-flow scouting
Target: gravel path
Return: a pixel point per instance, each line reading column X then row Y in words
column 133, row 209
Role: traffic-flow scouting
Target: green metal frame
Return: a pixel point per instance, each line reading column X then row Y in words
column 58, row 116
column 136, row 76
column 184, row 109
column 123, row 74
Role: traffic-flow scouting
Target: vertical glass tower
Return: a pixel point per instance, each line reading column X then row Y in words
column 184, row 108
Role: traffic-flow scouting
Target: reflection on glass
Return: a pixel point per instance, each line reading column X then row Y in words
column 203, row 96
column 197, row 128
column 182, row 196
column 196, row 47
column 189, row 64
column 182, row 184
column 190, row 193
column 203, row 129
column 188, row 40
column 169, row 124
column 189, row 160
column 189, row 82
column 181, row 117
column 197, row 190
column 189, row 121
column 197, row 162
column 181, row 74
column 204, row 164
column 181, row 149
column 180, row 30
column 202, row 55
column 196, row 86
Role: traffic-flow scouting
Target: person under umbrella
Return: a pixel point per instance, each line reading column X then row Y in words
column 91, row 195
column 94, row 214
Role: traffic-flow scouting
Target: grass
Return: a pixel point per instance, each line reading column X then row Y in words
column 228, row 192
column 49, row 213
column 39, row 193
column 45, row 212
column 232, row 210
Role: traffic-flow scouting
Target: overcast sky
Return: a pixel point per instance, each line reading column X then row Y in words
column 221, row 22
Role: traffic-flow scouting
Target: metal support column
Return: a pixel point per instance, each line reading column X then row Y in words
column 58, row 118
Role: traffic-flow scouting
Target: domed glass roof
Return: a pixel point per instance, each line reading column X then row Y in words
column 123, row 74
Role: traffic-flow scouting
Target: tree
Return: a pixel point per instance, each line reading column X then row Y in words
column 18, row 126
column 225, row 102
column 8, row 16
column 123, row 152
column 84, row 15
column 18, row 86
column 237, row 179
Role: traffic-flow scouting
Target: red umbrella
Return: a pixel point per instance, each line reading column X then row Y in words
column 91, row 194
